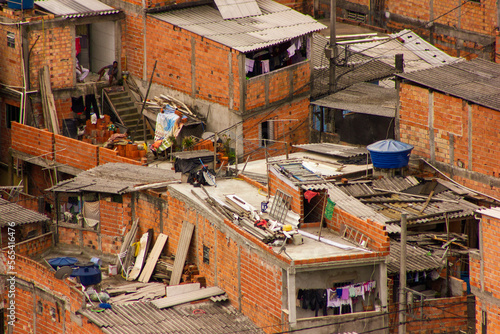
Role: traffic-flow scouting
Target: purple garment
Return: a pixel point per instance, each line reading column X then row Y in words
column 345, row 293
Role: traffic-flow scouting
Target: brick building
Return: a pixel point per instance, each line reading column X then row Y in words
column 242, row 72
column 483, row 264
column 260, row 280
column 464, row 29
column 450, row 115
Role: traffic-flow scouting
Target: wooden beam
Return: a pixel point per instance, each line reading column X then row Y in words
column 152, row 258
column 182, row 249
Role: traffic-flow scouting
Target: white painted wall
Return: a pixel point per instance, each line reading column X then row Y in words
column 102, row 45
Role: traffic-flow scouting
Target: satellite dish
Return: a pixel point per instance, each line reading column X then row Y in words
column 63, row 272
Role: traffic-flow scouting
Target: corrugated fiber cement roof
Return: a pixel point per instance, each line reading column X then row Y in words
column 14, row 213
column 76, row 8
column 278, row 23
column 476, row 81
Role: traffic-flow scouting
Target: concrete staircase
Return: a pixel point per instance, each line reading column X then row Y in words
column 122, row 103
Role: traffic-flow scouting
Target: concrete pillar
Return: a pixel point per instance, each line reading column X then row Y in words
column 292, row 308
column 469, row 135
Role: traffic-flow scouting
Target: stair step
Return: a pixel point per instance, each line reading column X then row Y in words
column 127, row 110
column 124, row 104
column 117, row 94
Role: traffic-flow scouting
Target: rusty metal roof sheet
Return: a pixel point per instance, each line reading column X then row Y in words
column 76, row 8
column 14, row 213
column 475, row 81
column 139, row 317
column 417, row 259
column 116, row 178
column 276, row 24
column 363, row 98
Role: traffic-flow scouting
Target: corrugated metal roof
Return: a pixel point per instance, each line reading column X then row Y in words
column 343, row 151
column 417, row 259
column 232, row 9
column 369, row 61
column 363, row 98
column 205, row 317
column 12, row 212
column 492, row 212
column 475, row 81
column 392, row 206
column 276, row 24
column 360, row 68
column 76, row 8
column 115, row 178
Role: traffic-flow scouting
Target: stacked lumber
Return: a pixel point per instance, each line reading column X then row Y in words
column 48, row 104
column 163, row 269
column 137, row 292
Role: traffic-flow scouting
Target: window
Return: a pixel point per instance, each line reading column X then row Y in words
column 13, row 114
column 206, row 254
column 356, row 16
column 266, row 132
column 11, row 40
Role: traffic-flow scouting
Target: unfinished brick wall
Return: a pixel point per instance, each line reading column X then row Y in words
column 32, row 140
column 278, row 181
column 10, row 57
column 75, row 153
column 32, row 247
column 54, row 49
column 43, row 304
column 487, row 300
column 106, row 155
column 295, row 131
column 379, row 238
column 450, row 124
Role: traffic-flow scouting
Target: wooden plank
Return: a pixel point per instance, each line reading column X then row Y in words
column 187, row 297
column 129, row 237
column 153, row 258
column 139, row 260
column 175, row 290
column 182, row 249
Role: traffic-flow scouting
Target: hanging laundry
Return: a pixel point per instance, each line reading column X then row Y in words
column 249, row 65
column 291, row 50
column 265, row 66
column 309, row 195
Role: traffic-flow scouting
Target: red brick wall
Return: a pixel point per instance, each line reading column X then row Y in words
column 32, row 140
column 278, row 182
column 33, row 246
column 36, row 285
column 53, row 48
column 293, row 132
column 75, row 153
column 106, row 155
column 10, row 58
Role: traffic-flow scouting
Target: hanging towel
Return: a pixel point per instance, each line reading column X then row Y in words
column 291, row 50
column 345, row 293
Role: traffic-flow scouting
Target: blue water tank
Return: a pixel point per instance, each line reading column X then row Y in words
column 88, row 273
column 20, row 4
column 62, row 261
column 390, row 153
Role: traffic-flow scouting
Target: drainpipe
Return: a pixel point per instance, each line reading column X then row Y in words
column 144, row 35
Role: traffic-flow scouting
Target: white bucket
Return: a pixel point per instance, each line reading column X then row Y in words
column 112, row 270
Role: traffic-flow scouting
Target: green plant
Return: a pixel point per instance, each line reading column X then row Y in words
column 187, row 143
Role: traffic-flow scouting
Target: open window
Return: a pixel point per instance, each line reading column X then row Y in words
column 266, row 133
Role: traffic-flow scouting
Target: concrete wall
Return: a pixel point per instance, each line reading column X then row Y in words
column 459, row 137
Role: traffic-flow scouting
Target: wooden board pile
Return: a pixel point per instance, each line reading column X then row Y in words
column 48, row 103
